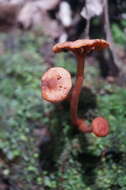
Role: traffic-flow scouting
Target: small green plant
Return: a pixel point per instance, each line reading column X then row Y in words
column 118, row 34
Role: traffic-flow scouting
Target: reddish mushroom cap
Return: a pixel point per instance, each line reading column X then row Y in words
column 83, row 46
column 100, row 127
column 56, row 84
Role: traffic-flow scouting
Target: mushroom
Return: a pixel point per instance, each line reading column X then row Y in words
column 100, row 127
column 56, row 84
column 80, row 48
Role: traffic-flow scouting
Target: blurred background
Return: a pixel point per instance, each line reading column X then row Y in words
column 39, row 148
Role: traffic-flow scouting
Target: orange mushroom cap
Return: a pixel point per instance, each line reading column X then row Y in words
column 82, row 46
column 100, row 127
column 56, row 84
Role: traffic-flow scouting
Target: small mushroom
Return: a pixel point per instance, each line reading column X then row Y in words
column 80, row 48
column 100, row 127
column 56, row 84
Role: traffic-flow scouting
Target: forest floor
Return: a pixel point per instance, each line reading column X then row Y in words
column 39, row 148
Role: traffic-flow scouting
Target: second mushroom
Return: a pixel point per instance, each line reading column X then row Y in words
column 81, row 48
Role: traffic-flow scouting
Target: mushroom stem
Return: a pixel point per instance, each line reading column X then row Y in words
column 77, row 89
column 76, row 93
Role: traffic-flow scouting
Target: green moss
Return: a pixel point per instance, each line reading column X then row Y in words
column 69, row 160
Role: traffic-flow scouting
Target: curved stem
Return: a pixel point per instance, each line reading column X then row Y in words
column 76, row 93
